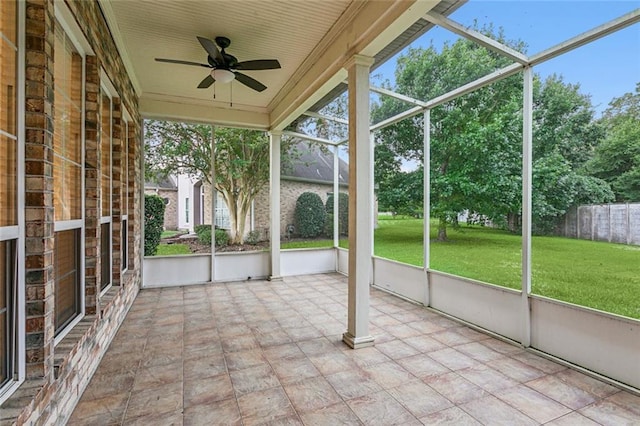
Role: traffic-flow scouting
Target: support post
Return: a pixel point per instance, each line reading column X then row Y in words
column 527, row 158
column 274, row 191
column 360, row 191
column 336, row 199
column 426, row 206
column 213, row 204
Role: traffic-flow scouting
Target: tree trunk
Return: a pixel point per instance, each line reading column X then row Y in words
column 442, row 229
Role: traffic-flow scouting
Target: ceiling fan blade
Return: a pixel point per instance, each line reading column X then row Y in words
column 211, row 49
column 250, row 82
column 208, row 81
column 260, row 64
column 176, row 61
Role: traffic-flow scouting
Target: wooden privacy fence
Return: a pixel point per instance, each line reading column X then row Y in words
column 614, row 223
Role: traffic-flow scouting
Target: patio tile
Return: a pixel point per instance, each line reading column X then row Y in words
column 239, row 343
column 424, row 343
column 586, row 383
column 389, row 374
column 456, row 388
column 423, row 366
column 451, row 337
column 502, row 347
column 319, row 346
column 303, row 333
column 264, row 406
column 490, row 410
column 332, row 363
column 294, row 370
column 158, row 376
column 162, row 399
column 532, row 403
column 286, row 351
column 402, row 331
column 453, row 359
column 207, row 390
column 396, row 349
column 103, row 385
column 353, row 383
column 174, row 418
column 244, row 359
column 420, row 399
column 626, row 400
column 207, row 365
column 253, row 379
column 338, row 414
column 222, row 413
column 366, row 357
column 487, row 378
column 538, row 362
column 515, row 369
column 608, row 413
column 381, row 409
column 110, row 408
column 573, row 419
column 569, row 395
column 479, row 352
column 453, row 416
column 311, row 394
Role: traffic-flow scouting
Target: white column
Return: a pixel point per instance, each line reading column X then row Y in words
column 336, row 198
column 426, row 202
column 527, row 158
column 213, row 205
column 360, row 192
column 274, row 191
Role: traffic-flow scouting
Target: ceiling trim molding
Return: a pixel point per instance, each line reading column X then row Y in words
column 112, row 23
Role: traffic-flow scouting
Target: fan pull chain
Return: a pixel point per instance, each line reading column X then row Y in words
column 231, row 94
column 214, row 92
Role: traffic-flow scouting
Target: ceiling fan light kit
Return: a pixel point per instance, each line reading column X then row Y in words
column 225, row 67
column 222, row 76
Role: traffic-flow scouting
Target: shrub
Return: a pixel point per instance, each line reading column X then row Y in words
column 309, row 215
column 343, row 212
column 222, row 238
column 252, row 237
column 153, row 223
column 204, row 233
column 328, row 226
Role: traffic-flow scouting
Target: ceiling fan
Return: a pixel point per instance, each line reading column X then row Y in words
column 225, row 67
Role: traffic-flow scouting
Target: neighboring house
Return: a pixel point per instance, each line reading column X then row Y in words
column 168, row 191
column 312, row 171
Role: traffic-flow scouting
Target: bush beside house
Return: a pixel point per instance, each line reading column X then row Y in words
column 153, row 223
column 309, row 215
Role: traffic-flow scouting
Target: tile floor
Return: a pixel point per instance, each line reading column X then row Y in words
column 270, row 353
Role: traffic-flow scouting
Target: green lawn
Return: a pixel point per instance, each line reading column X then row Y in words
column 168, row 234
column 170, row 249
column 595, row 274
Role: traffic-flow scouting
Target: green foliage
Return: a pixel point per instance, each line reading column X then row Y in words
column 204, row 233
column 252, row 237
column 617, row 158
column 328, row 226
column 343, row 213
column 153, row 223
column 309, row 215
column 241, row 161
column 172, row 249
column 566, row 269
column 222, row 238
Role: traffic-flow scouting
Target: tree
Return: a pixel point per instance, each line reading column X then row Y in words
column 617, row 158
column 241, row 162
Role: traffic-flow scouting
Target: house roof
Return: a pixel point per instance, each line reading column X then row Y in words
column 315, row 164
column 166, row 183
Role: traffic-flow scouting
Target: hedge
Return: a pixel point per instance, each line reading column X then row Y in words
column 153, row 223
column 343, row 213
column 309, row 215
column 204, row 235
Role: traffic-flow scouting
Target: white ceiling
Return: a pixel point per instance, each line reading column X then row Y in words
column 312, row 40
column 284, row 30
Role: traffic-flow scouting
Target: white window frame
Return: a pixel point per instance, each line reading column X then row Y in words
column 124, row 177
column 18, row 232
column 71, row 28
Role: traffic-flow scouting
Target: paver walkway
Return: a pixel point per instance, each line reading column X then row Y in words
column 270, row 353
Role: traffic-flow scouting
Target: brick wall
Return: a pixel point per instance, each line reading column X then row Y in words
column 171, row 209
column 56, row 375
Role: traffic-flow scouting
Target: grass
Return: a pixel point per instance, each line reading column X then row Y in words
column 171, row 249
column 595, row 274
column 169, row 234
column 322, row 243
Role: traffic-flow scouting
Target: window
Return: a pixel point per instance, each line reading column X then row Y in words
column 186, row 209
column 222, row 219
column 67, row 179
column 105, row 179
column 124, row 193
column 10, row 233
column 67, row 272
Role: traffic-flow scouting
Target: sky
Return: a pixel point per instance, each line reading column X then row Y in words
column 606, row 68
